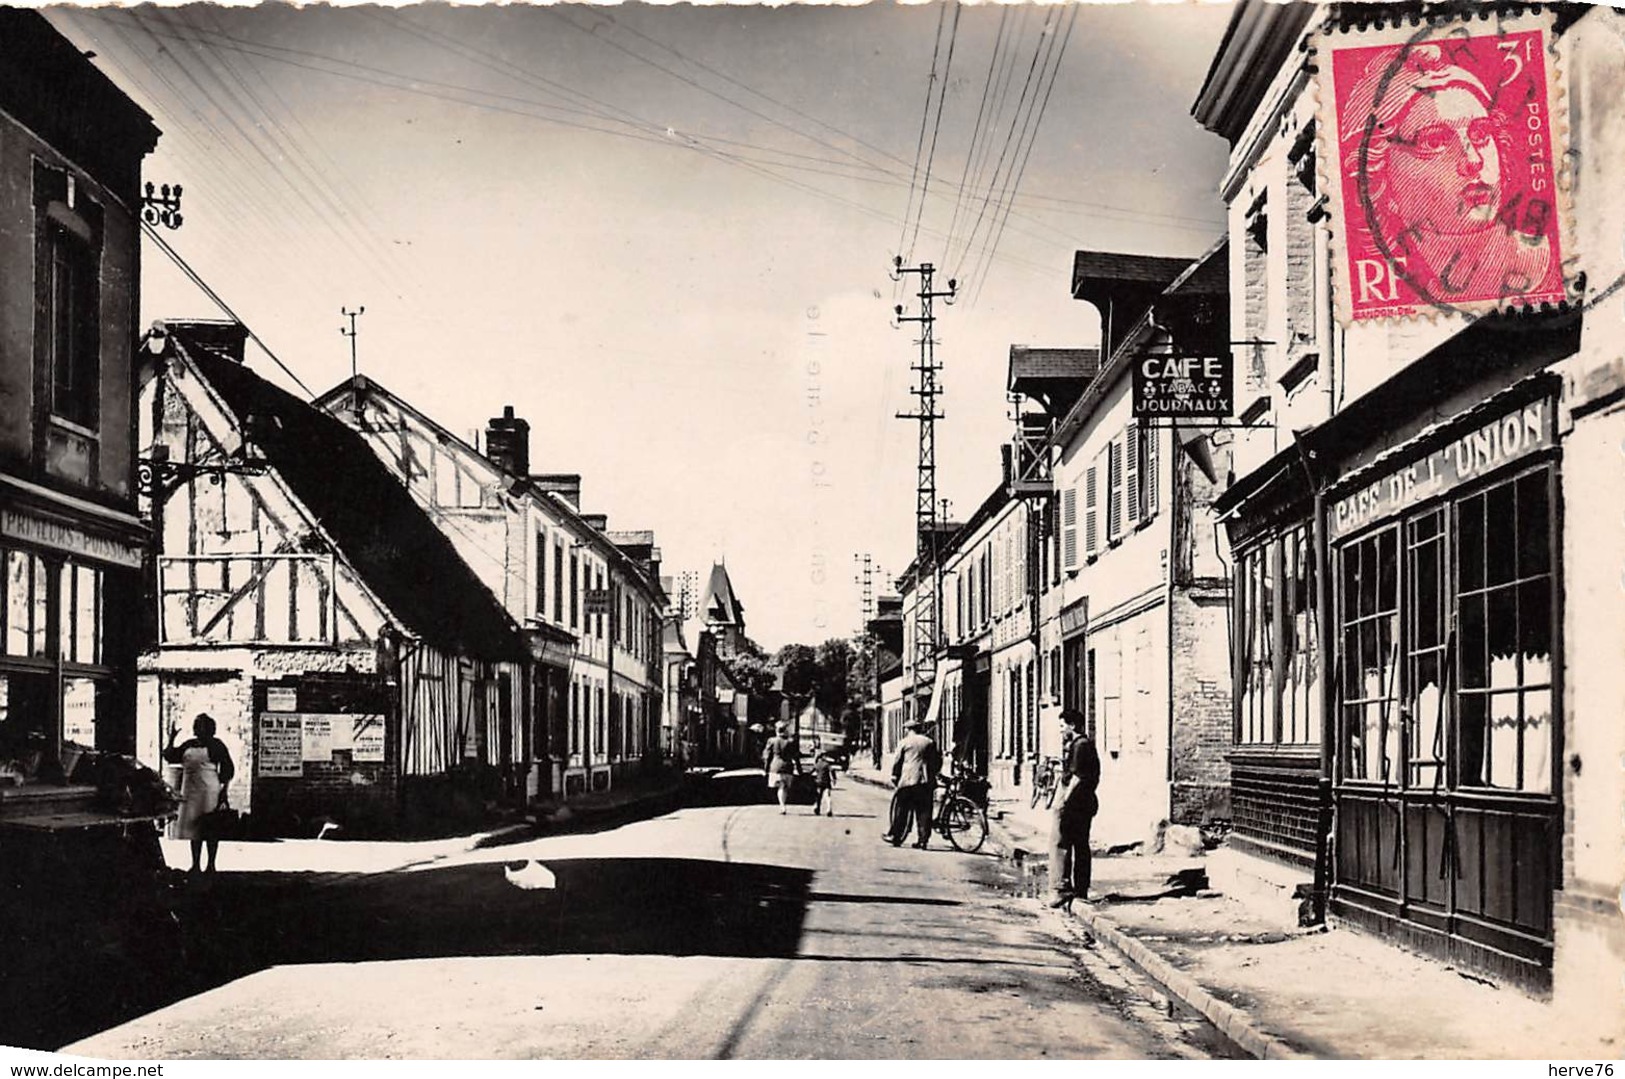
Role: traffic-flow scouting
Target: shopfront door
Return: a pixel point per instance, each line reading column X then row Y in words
column 1448, row 816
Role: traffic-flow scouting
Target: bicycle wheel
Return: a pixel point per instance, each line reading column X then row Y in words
column 1049, row 795
column 966, row 827
column 1038, row 792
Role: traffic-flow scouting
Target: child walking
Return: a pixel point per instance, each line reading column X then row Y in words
column 824, row 782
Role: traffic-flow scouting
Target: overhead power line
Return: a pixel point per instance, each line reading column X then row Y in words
column 197, row 279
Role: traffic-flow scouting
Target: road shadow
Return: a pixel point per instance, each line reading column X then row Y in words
column 233, row 925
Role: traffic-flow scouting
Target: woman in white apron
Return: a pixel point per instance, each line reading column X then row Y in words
column 206, row 769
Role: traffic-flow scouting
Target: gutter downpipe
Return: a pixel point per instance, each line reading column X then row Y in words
column 1328, row 708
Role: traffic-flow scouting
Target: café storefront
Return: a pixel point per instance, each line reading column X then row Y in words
column 1443, row 596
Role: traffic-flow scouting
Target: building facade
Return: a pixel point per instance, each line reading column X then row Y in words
column 589, row 600
column 357, row 670
column 72, row 545
column 1418, row 676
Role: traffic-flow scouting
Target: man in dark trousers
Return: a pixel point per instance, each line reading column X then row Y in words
column 1074, row 813
column 914, row 773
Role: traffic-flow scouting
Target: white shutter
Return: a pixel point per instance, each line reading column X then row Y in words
column 1091, row 511
column 1114, row 488
column 1150, row 478
column 1131, row 475
column 1069, row 528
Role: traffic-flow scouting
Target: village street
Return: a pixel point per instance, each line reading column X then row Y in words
column 719, row 930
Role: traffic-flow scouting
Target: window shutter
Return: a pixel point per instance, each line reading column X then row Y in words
column 1114, row 488
column 1069, row 528
column 1149, row 479
column 1131, row 475
column 1091, row 511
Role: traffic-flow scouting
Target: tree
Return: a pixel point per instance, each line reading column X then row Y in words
column 799, row 665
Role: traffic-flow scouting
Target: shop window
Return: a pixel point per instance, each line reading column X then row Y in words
column 1255, row 666
column 1368, row 603
column 27, row 591
column 1428, row 648
column 79, row 615
column 1278, row 665
column 1504, row 585
column 28, row 750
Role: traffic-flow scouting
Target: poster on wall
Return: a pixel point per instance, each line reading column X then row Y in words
column 279, row 746
column 324, row 733
column 367, row 737
column 281, row 699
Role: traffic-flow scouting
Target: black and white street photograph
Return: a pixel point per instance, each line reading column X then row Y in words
column 910, row 531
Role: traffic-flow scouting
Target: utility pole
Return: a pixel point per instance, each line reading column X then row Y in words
column 351, row 334
column 923, row 660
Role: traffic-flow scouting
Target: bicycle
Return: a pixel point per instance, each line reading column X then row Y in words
column 958, row 816
column 1046, row 781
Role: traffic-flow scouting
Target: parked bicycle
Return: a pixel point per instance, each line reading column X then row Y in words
column 1046, row 781
column 961, row 815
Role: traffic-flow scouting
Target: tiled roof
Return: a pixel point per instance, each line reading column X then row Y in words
column 1109, row 266
column 398, row 551
column 1035, row 363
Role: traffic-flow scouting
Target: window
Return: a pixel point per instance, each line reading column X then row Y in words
column 541, row 575
column 1504, row 589
column 27, row 592
column 1091, row 511
column 1278, row 661
column 74, row 296
column 1114, row 488
column 558, row 584
column 1069, row 528
column 68, row 296
column 1151, row 450
column 1368, row 605
column 575, row 592
column 79, row 615
column 598, row 719
column 575, row 718
column 1132, row 504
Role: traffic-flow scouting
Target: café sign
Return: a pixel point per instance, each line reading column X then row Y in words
column 1499, row 442
column 1198, row 386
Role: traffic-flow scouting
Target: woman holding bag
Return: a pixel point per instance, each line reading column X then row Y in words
column 206, row 769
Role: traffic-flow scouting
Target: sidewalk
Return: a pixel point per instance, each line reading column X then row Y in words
column 351, row 856
column 1278, row 991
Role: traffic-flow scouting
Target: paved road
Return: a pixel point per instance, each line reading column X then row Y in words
column 725, row 930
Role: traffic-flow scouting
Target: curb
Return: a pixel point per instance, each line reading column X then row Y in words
column 1229, row 1020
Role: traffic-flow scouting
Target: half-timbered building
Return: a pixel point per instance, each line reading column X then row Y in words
column 357, row 668
column 588, row 600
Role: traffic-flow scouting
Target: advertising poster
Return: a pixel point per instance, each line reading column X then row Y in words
column 280, row 746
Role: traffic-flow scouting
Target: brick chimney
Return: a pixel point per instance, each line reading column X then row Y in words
column 507, row 443
column 599, row 521
column 567, row 485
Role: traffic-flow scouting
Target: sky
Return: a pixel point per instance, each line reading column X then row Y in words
column 665, row 234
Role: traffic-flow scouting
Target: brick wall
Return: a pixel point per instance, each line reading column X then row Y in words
column 360, row 796
column 1201, row 702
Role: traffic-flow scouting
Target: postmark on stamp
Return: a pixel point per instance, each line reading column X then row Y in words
column 1442, row 144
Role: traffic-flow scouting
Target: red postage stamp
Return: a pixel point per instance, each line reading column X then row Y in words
column 1442, row 149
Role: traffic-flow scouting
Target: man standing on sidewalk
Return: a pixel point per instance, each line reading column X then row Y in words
column 1075, row 809
column 914, row 774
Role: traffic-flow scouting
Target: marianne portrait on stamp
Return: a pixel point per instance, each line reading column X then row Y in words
column 1445, row 198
